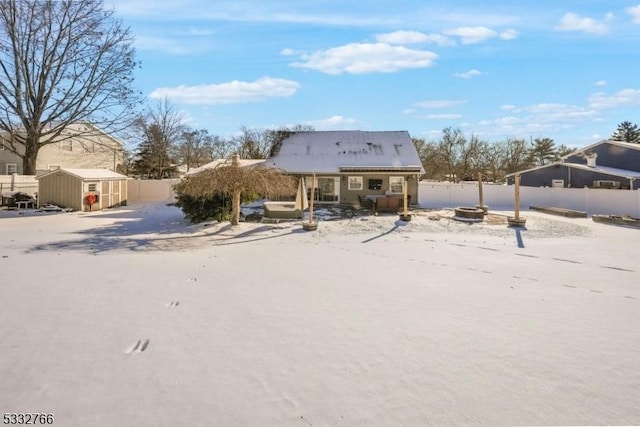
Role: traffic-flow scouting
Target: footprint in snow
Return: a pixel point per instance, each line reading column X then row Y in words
column 137, row 347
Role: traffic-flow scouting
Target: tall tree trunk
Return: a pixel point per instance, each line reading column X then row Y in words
column 235, row 207
column 32, row 147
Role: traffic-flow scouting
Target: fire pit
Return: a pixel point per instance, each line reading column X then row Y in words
column 469, row 214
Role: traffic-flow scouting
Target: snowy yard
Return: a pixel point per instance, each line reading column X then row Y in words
column 133, row 317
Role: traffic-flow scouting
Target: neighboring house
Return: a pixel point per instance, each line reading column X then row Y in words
column 349, row 164
column 82, row 145
column 605, row 164
column 224, row 162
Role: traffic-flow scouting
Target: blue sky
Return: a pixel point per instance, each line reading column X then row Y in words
column 567, row 70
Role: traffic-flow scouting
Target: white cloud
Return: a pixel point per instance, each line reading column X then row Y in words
column 600, row 83
column 573, row 22
column 443, row 116
column 509, row 34
column 230, row 92
column 536, row 119
column 290, row 52
column 469, row 74
column 601, row 100
column 413, row 37
column 362, row 58
column 333, row 122
column 470, row 35
column 402, row 37
column 409, row 111
column 634, row 11
column 439, row 103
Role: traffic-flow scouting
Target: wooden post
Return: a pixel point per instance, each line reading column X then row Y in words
column 480, row 190
column 517, row 197
column 404, row 194
column 313, row 196
column 235, row 199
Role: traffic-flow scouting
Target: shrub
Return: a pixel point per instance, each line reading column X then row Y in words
column 199, row 209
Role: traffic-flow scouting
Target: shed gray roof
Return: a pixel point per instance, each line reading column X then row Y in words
column 97, row 174
column 336, row 151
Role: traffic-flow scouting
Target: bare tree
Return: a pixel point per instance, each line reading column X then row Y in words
column 517, row 156
column 433, row 160
column 61, row 62
column 252, row 144
column 194, row 148
column 160, row 130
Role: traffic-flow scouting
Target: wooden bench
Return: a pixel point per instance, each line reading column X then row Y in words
column 25, row 204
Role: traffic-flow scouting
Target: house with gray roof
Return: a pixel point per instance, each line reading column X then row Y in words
column 605, row 164
column 351, row 165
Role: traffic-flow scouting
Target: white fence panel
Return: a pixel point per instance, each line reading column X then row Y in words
column 24, row 183
column 590, row 200
column 150, row 190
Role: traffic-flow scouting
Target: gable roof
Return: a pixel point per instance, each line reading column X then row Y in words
column 347, row 151
column 97, row 174
column 622, row 173
column 225, row 162
column 605, row 141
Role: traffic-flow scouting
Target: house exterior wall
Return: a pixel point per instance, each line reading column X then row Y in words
column 81, row 146
column 61, row 189
column 81, row 154
column 349, row 197
column 7, row 160
column 573, row 177
column 612, row 155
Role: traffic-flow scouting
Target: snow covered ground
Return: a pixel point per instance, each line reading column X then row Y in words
column 133, row 317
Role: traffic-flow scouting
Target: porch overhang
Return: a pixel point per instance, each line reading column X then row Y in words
column 385, row 169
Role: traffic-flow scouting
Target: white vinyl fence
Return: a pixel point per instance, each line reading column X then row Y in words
column 151, row 190
column 431, row 195
column 590, row 200
column 23, row 183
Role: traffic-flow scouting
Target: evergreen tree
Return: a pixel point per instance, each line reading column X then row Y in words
column 627, row 132
column 543, row 151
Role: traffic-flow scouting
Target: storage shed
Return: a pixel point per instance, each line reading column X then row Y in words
column 82, row 189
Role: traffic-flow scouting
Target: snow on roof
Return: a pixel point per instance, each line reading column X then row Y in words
column 225, row 162
column 335, row 151
column 624, row 173
column 579, row 151
column 87, row 173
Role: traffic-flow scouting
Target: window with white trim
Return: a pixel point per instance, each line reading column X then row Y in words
column 12, row 168
column 92, row 187
column 354, row 183
column 395, row 184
